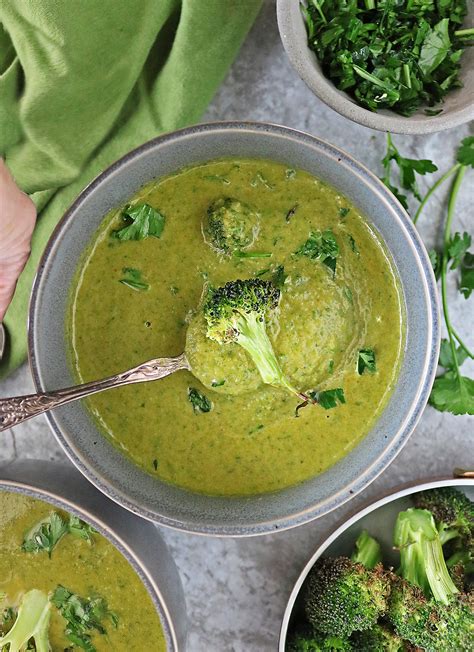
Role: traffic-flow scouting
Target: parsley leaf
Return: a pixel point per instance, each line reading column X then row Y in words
column 328, row 398
column 446, row 355
column 408, row 168
column 321, row 246
column 251, row 254
column 435, row 47
column 45, row 535
column 457, row 248
column 83, row 616
column 366, row 360
column 453, row 393
column 133, row 279
column 435, row 260
column 466, row 283
column 279, row 277
column 199, row 401
column 466, row 152
column 142, row 221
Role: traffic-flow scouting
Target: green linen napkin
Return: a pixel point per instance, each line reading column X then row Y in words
column 84, row 81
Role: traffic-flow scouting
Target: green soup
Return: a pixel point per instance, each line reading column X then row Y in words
column 85, row 568
column 250, row 442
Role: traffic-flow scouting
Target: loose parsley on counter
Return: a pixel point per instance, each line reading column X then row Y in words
column 451, row 392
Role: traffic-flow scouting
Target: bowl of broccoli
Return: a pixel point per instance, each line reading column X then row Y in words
column 397, row 576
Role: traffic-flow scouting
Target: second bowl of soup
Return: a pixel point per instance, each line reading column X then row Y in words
column 280, row 418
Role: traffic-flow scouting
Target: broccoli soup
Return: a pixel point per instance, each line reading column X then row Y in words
column 64, row 586
column 285, row 302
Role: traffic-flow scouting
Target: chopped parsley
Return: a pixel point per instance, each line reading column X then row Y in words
column 343, row 212
column 354, row 247
column 260, row 180
column 398, row 55
column 252, row 254
column 83, row 616
column 132, row 278
column 199, row 401
column 321, row 245
column 366, row 361
column 218, row 383
column 291, row 212
column 217, row 177
column 141, row 221
column 279, row 277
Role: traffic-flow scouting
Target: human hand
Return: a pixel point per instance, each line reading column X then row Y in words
column 17, row 221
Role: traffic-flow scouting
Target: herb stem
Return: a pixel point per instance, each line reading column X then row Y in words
column 469, row 353
column 464, row 32
column 433, row 189
column 320, row 11
column 444, row 266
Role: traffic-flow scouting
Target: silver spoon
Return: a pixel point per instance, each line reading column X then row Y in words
column 17, row 409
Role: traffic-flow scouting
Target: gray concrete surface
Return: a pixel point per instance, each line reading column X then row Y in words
column 237, row 589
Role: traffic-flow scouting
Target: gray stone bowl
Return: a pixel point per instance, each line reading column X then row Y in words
column 458, row 107
column 138, row 541
column 378, row 518
column 112, row 472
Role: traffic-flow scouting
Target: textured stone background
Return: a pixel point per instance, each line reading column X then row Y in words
column 237, row 589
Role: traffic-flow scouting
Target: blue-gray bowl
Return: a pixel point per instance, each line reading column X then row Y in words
column 112, row 472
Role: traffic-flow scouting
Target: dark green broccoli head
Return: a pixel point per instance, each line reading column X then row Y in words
column 428, row 624
column 231, row 225
column 450, row 508
column 225, row 306
column 305, row 639
column 378, row 639
column 343, row 596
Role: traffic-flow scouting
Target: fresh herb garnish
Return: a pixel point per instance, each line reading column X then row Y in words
column 217, row 177
column 366, row 361
column 291, row 212
column 354, row 247
column 260, row 180
column 390, row 55
column 45, row 535
column 199, row 401
column 321, row 245
column 451, row 391
column 329, row 398
column 217, row 383
column 133, row 279
column 142, row 221
column 83, row 616
column 290, row 173
column 343, row 212
column 252, row 254
column 279, row 277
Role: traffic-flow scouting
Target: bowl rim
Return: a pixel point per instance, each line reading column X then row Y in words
column 14, row 479
column 387, row 496
column 377, row 466
column 341, row 102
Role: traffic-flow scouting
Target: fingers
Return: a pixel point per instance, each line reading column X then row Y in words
column 17, row 221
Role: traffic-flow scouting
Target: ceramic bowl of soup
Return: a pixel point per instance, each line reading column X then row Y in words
column 102, row 577
column 353, row 322
column 378, row 520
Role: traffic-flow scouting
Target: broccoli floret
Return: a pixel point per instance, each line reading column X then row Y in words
column 368, row 551
column 379, row 639
column 431, row 625
column 32, row 623
column 237, row 312
column 421, row 554
column 343, row 596
column 230, row 225
column 452, row 511
column 307, row 640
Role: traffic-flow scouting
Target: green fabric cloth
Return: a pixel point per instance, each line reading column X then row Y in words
column 84, row 81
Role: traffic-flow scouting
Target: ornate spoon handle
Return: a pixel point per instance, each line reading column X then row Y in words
column 20, row 408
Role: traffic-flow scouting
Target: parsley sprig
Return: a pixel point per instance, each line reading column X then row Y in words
column 45, row 535
column 451, row 392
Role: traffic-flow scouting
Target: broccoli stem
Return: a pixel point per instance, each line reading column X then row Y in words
column 254, row 339
column 421, row 554
column 368, row 551
column 32, row 623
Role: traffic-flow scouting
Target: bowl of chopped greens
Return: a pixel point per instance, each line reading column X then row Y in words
column 403, row 66
column 396, row 576
column 77, row 572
